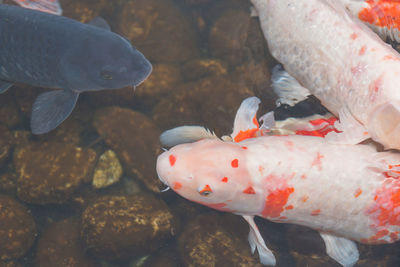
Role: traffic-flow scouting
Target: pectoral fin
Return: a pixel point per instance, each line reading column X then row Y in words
column 342, row 250
column 246, row 125
column 256, row 241
column 52, row 108
column 351, row 131
column 185, row 134
column 287, row 87
column 4, row 86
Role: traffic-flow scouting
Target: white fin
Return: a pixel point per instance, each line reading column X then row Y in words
column 246, row 116
column 256, row 241
column 352, row 131
column 342, row 250
column 268, row 121
column 185, row 134
column 386, row 163
column 287, row 88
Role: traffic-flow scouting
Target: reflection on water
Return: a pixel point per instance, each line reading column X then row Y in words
column 207, row 57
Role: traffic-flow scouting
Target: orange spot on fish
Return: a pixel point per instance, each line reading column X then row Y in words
column 244, row 147
column 282, row 218
column 249, row 190
column 290, row 207
column 225, row 179
column 289, row 145
column 275, row 202
column 390, row 57
column 172, row 160
column 303, row 176
column 177, row 186
column 362, row 50
column 357, row 193
column 243, row 135
column 261, row 169
column 205, row 189
column 235, row 163
column 315, row 212
column 353, row 36
column 317, row 161
column 304, row 198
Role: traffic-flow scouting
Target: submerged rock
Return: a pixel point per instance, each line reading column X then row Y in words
column 159, row 29
column 107, row 171
column 214, row 240
column 50, row 172
column 60, row 245
column 200, row 68
column 211, row 101
column 17, row 229
column 123, row 227
column 135, row 139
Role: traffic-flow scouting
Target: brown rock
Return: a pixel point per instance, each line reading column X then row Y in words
column 134, row 138
column 50, row 172
column 8, row 183
column 10, row 264
column 6, row 140
column 9, row 114
column 214, row 240
column 211, row 101
column 84, row 11
column 200, row 68
column 17, row 229
column 228, row 35
column 60, row 245
column 159, row 29
column 122, row 227
column 107, row 171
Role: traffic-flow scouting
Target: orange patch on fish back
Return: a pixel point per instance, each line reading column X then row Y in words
column 353, row 36
column 177, row 186
column 235, row 163
column 172, row 160
column 362, row 50
column 244, row 147
column 225, row 179
column 275, row 202
column 382, row 13
column 385, row 211
column 315, row 212
column 249, row 190
column 357, row 193
column 289, row 207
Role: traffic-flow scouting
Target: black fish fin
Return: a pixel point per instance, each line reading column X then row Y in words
column 51, row 109
column 4, row 86
column 100, row 22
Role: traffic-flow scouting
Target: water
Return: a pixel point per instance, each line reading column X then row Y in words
column 207, row 57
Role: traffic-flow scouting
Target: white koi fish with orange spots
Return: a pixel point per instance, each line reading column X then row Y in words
column 346, row 192
column 341, row 61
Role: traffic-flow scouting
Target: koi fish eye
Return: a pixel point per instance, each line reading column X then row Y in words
column 106, row 75
column 206, row 191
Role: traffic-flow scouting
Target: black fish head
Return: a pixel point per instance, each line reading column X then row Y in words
column 104, row 61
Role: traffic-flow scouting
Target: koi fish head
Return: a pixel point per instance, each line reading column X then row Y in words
column 210, row 172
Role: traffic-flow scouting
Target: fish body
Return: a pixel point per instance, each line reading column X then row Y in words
column 340, row 189
column 51, row 51
column 340, row 60
column 346, row 192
